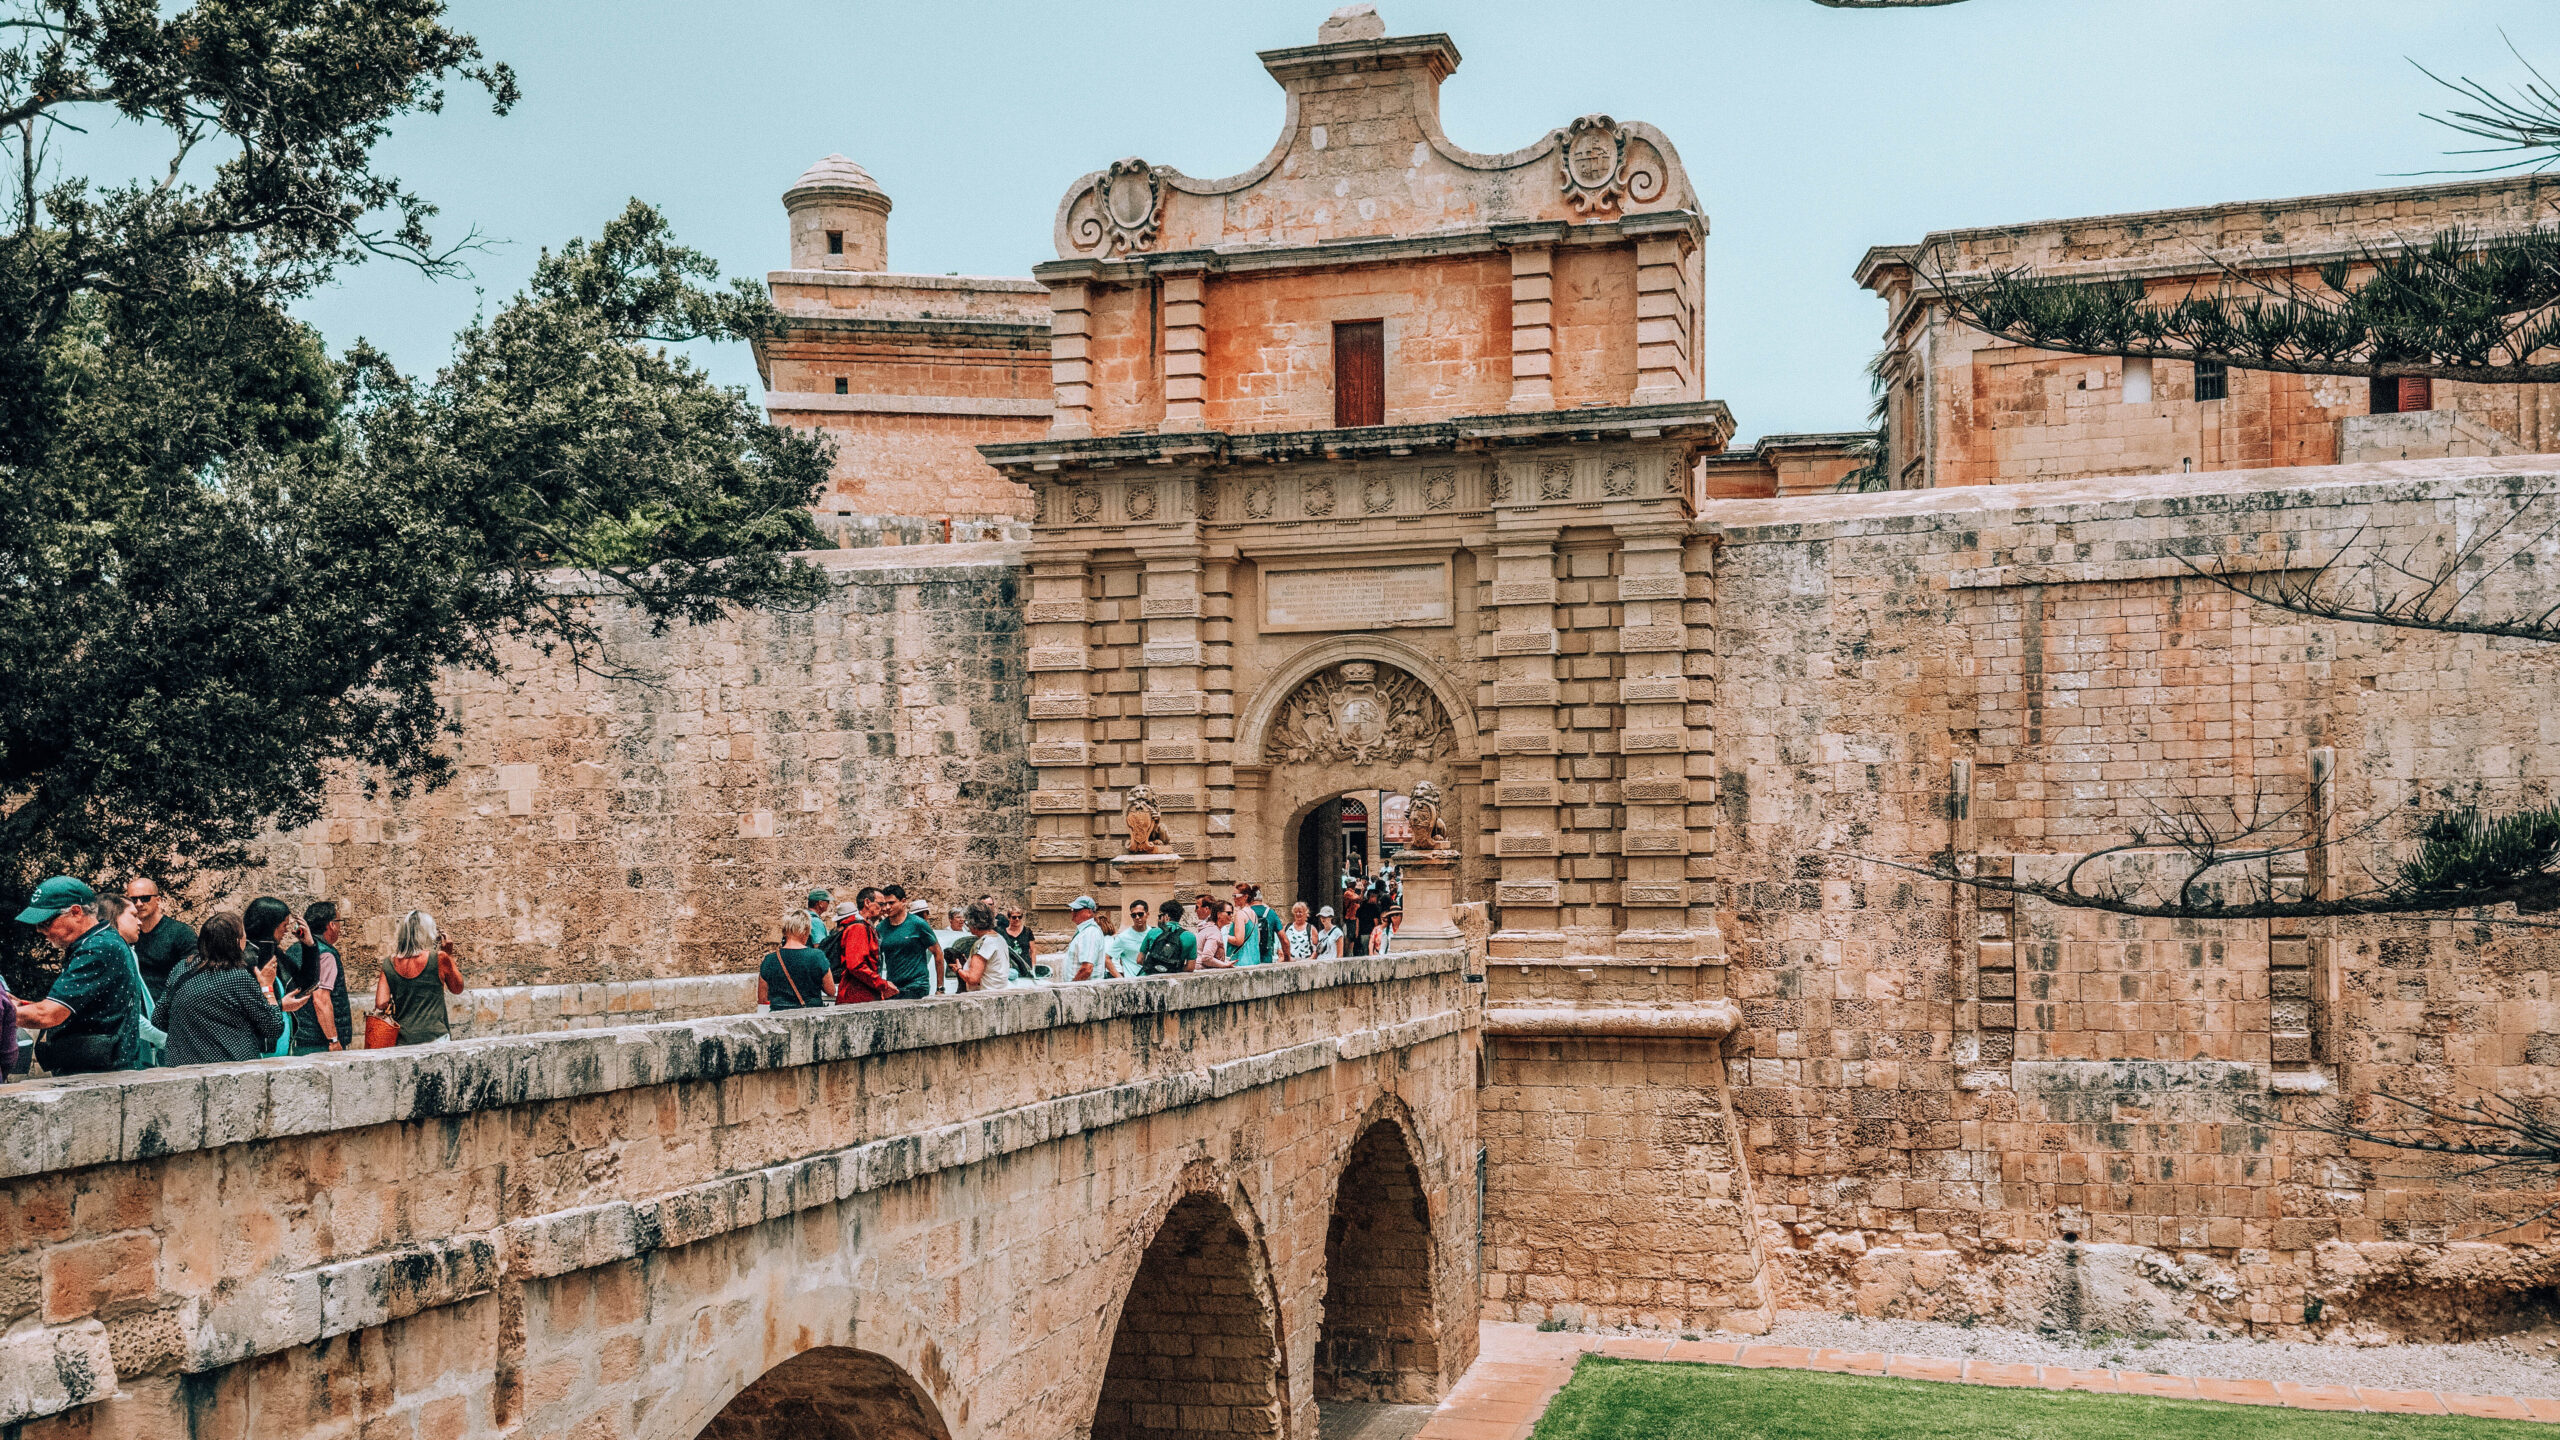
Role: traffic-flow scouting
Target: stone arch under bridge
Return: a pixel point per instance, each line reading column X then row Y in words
column 1349, row 713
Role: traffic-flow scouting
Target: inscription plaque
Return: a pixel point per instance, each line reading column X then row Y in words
column 1366, row 597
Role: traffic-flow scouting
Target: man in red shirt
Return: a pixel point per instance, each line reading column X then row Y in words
column 853, row 949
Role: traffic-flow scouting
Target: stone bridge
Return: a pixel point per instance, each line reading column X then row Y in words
column 1182, row 1206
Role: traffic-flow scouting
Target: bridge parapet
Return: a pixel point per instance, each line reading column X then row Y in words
column 167, row 1227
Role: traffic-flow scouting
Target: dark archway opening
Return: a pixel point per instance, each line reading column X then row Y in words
column 1379, row 1341
column 1333, row 840
column 1195, row 1353
column 832, row 1393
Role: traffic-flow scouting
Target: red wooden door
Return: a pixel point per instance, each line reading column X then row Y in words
column 1360, row 372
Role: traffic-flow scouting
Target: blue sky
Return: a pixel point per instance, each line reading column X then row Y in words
column 1810, row 133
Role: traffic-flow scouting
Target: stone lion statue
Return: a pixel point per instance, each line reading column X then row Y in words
column 1428, row 831
column 1145, row 822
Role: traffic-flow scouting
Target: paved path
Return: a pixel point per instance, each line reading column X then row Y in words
column 1519, row 1370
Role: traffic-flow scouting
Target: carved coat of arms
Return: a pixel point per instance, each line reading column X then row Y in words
column 1360, row 713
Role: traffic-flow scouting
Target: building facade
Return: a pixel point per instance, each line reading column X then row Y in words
column 1969, row 409
column 906, row 373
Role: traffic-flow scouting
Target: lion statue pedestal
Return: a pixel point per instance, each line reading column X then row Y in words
column 1149, row 868
column 1429, row 867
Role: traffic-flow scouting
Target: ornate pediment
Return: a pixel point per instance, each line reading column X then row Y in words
column 1359, row 713
column 1361, row 154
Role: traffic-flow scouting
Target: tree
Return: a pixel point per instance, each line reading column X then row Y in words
column 233, row 560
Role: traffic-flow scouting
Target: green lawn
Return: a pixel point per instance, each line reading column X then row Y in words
column 1612, row 1399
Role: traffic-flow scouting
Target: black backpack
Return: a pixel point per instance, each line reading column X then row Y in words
column 1163, row 954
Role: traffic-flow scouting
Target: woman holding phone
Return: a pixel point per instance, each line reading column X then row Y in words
column 215, row 1007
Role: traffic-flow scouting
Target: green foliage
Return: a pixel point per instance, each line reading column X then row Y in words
column 235, row 565
column 1611, row 1399
column 2466, row 852
column 2460, row 307
column 1875, row 453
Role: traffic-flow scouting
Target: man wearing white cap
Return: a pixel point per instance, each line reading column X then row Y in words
column 1084, row 950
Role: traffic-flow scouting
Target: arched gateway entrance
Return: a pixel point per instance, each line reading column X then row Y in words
column 1352, row 718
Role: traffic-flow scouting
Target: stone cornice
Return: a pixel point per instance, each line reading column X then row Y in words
column 975, row 334
column 900, row 280
column 1373, row 250
column 819, row 401
column 1706, row 422
column 1436, row 53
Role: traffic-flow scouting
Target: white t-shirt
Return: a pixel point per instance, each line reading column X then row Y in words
column 999, row 958
column 1084, row 948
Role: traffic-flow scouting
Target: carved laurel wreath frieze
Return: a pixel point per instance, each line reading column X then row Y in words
column 1359, row 713
column 1620, row 482
column 1317, row 499
column 1605, row 164
column 1141, row 502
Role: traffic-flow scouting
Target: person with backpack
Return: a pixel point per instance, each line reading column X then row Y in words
column 1266, row 925
column 1328, row 937
column 1170, row 948
column 852, row 949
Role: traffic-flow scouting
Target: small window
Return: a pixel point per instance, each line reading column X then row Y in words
column 1360, row 373
column 2402, row 394
column 2213, row 380
column 835, row 242
column 840, row 385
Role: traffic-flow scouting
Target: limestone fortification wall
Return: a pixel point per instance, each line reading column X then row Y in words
column 1936, row 1090
column 655, row 824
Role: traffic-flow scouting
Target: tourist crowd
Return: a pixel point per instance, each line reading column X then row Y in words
column 140, row 988
column 884, row 944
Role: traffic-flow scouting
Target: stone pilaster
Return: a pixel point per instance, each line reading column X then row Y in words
column 1173, row 749
column 1666, row 371
column 1071, row 359
column 1654, row 739
column 1186, row 346
column 1056, row 618
column 1218, row 712
column 1527, row 788
column 2297, row 954
column 1533, row 333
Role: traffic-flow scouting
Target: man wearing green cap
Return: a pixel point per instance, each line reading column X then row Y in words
column 817, row 908
column 89, row 1015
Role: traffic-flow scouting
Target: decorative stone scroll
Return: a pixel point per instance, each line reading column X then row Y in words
column 1605, row 164
column 1121, row 212
column 1360, row 713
